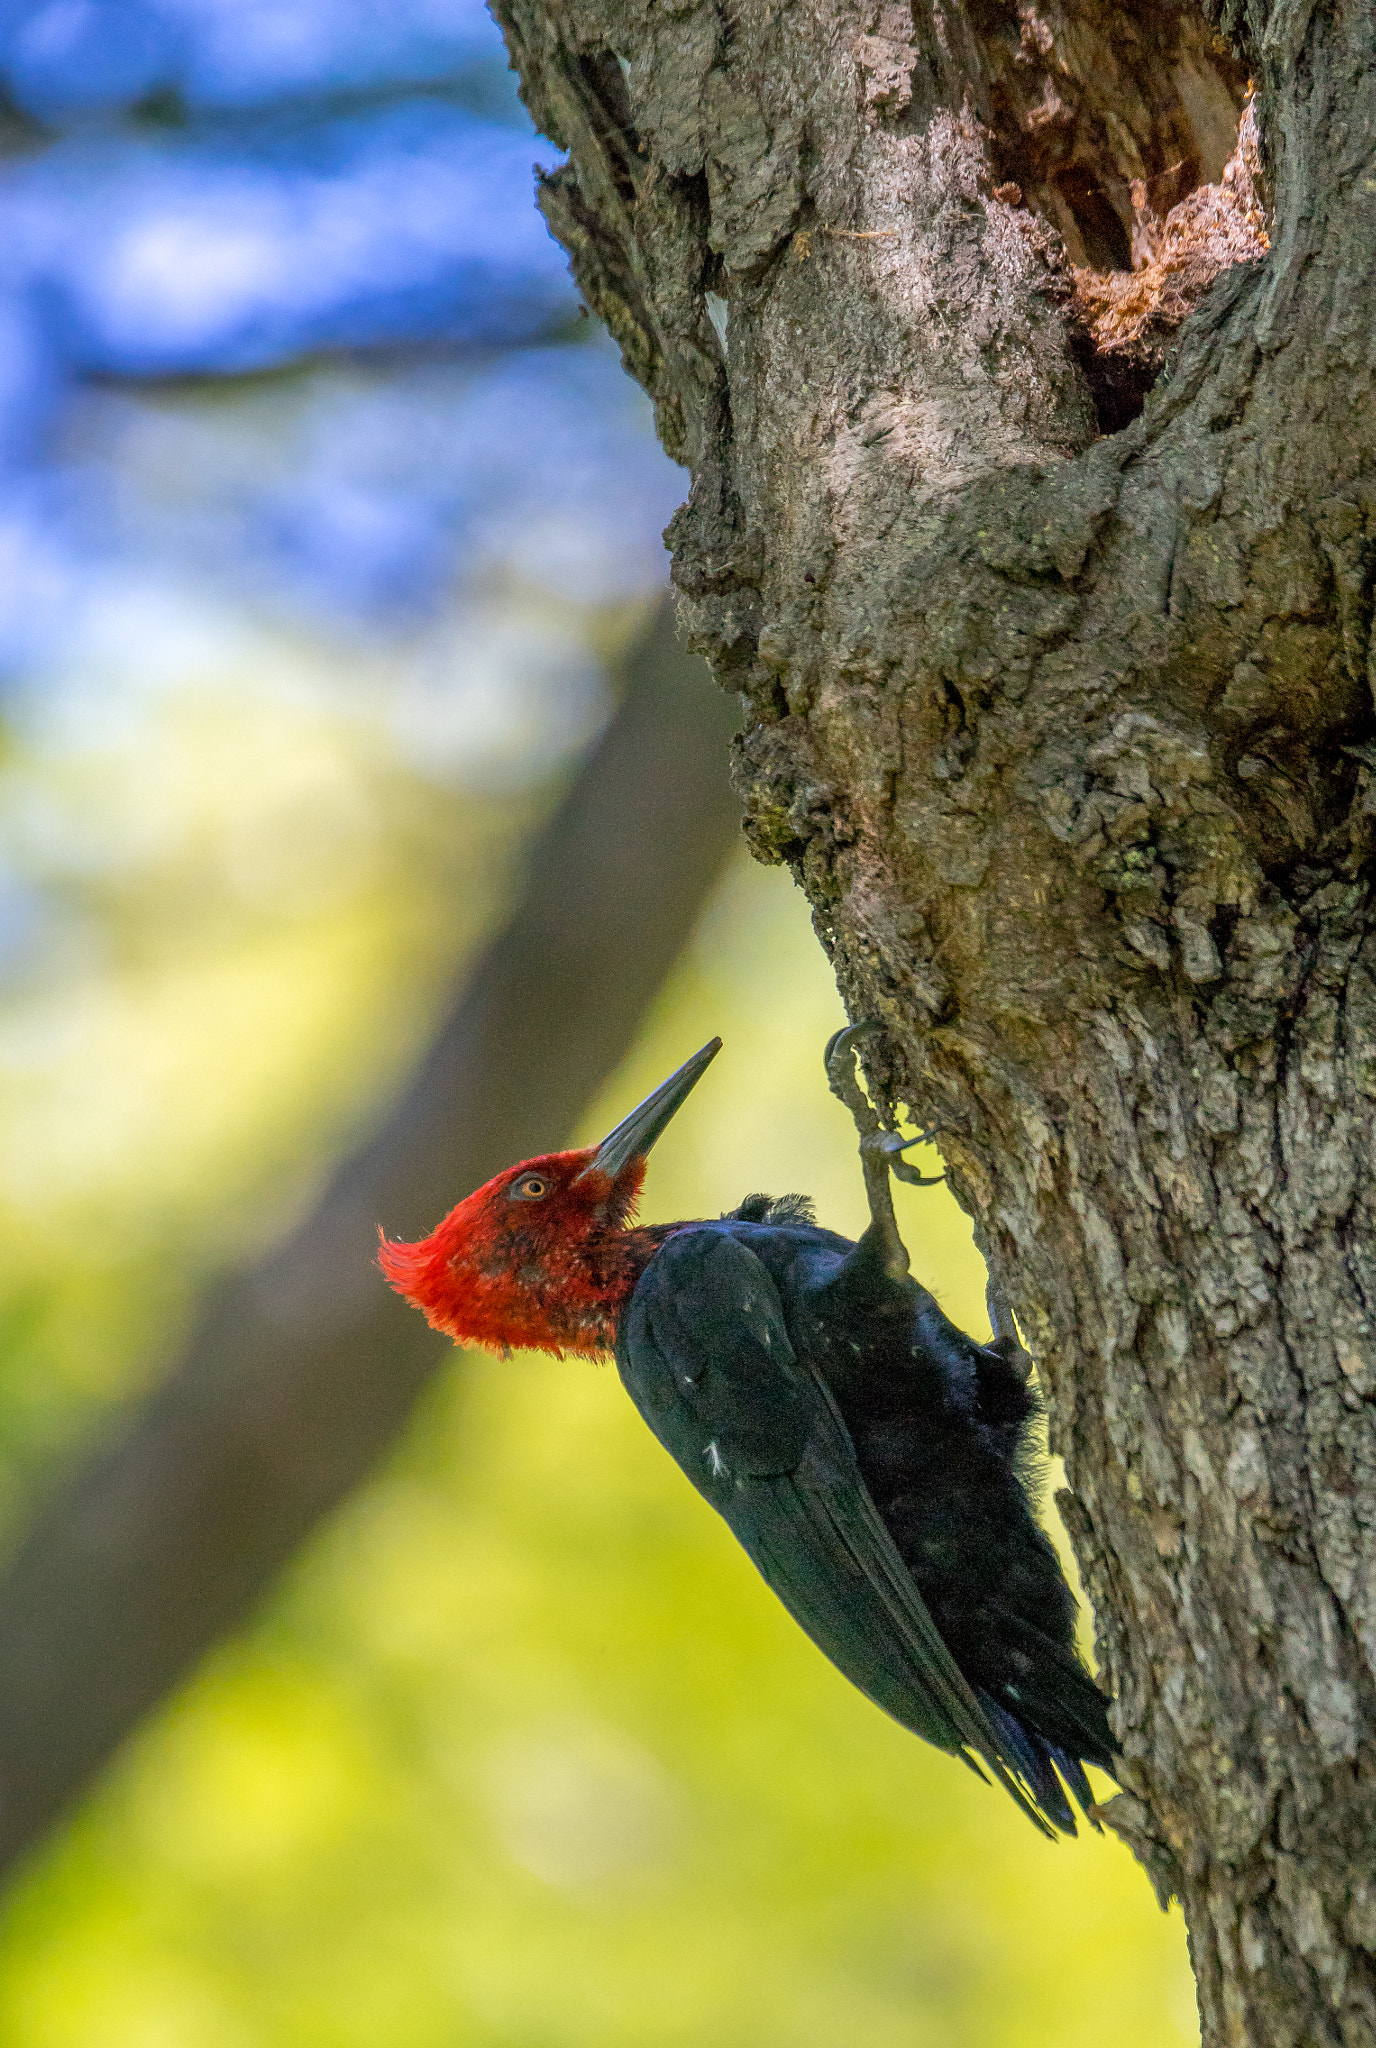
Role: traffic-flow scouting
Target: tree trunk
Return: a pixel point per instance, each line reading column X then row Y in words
column 1060, row 709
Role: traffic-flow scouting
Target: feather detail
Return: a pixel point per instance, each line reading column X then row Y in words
column 541, row 1258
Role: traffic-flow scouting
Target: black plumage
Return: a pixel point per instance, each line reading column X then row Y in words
column 873, row 1461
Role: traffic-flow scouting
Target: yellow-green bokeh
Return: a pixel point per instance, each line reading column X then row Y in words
column 523, row 1754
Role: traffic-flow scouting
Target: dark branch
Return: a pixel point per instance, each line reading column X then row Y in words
column 303, row 1369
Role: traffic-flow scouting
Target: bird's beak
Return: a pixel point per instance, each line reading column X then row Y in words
column 635, row 1134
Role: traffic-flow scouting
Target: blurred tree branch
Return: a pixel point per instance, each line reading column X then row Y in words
column 302, row 1370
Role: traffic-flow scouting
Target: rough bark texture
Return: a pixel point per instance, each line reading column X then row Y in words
column 1068, row 735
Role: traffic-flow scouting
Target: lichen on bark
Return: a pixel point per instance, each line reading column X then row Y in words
column 1060, row 707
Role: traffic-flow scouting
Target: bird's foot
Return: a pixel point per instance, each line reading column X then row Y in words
column 893, row 1145
column 843, row 1075
column 843, row 1078
column 881, row 1151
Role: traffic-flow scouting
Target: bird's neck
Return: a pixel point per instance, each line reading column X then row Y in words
column 572, row 1306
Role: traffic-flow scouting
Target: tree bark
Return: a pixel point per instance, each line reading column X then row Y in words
column 1060, row 709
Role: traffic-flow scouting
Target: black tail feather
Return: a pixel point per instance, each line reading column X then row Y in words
column 1033, row 1760
column 1072, row 1770
column 1056, row 1695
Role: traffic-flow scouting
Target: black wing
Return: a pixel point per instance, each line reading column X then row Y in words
column 705, row 1355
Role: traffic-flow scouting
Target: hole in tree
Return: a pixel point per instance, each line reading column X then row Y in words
column 1119, row 125
column 1102, row 233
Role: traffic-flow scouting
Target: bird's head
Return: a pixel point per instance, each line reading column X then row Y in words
column 542, row 1257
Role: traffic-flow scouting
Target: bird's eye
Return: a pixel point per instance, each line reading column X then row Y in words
column 530, row 1188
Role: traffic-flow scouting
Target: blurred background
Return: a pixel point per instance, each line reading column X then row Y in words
column 329, row 545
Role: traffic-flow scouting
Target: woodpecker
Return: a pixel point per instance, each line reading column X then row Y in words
column 873, row 1461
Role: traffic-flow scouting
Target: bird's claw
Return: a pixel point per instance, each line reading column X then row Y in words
column 849, row 1036
column 881, row 1151
column 842, row 1077
column 892, row 1144
column 844, row 1081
